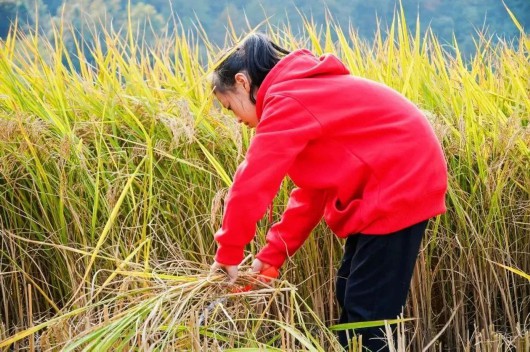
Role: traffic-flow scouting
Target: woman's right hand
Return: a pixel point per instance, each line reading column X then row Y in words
column 231, row 270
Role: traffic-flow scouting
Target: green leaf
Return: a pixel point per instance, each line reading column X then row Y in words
column 367, row 324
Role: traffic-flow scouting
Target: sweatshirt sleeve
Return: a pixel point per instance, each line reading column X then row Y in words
column 304, row 210
column 286, row 127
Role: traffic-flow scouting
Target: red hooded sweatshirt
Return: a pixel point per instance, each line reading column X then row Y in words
column 362, row 156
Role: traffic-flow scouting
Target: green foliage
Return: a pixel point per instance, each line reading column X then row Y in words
column 461, row 18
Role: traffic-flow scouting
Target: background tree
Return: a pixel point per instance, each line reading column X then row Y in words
column 27, row 12
column 463, row 18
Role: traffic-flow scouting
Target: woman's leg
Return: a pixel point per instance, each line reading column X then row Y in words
column 379, row 278
column 342, row 276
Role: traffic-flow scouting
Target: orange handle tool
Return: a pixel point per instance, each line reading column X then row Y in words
column 267, row 274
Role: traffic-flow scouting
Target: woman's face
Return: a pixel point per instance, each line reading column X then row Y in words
column 238, row 101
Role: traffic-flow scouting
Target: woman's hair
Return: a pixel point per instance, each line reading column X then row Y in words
column 255, row 57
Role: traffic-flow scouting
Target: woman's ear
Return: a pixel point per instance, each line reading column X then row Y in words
column 242, row 79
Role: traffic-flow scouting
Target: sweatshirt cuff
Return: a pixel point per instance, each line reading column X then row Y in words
column 229, row 255
column 272, row 256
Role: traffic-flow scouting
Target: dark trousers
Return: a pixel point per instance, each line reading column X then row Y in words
column 374, row 279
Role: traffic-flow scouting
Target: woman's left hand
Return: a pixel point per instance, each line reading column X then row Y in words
column 258, row 267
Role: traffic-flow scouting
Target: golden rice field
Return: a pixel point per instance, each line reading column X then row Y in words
column 112, row 176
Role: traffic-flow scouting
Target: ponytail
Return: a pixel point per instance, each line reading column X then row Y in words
column 255, row 57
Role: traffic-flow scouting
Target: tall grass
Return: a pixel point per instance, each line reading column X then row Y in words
column 112, row 177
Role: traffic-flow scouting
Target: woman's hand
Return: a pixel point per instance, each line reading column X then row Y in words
column 231, row 270
column 258, row 267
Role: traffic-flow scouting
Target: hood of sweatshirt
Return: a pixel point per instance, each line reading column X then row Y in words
column 297, row 65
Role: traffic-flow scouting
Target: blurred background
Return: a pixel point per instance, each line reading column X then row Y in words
column 463, row 18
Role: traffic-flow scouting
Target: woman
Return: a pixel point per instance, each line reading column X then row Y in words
column 362, row 156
